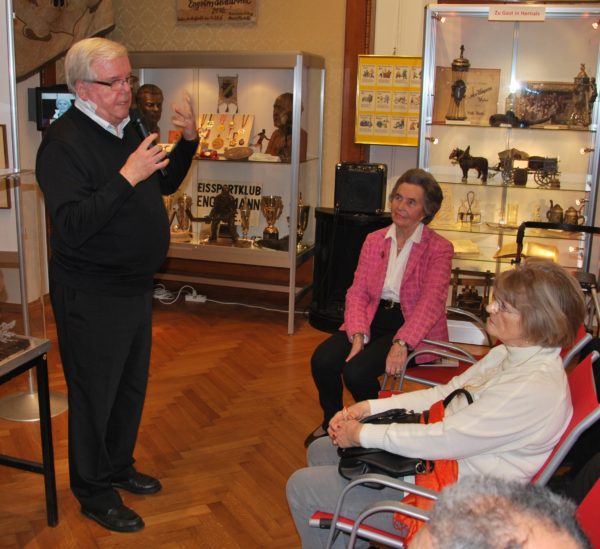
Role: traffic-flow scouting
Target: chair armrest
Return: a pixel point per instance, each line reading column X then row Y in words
column 450, row 347
column 431, row 351
column 385, row 506
column 473, row 318
column 383, row 480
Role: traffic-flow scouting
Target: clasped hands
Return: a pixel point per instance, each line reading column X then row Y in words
column 344, row 427
column 150, row 156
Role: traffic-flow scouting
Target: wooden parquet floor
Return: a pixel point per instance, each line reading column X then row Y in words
column 229, row 403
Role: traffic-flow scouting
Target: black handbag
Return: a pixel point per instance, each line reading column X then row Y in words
column 355, row 462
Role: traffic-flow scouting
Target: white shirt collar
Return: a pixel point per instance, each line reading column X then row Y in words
column 89, row 109
column 414, row 237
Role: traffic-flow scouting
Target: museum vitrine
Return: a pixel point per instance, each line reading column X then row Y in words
column 508, row 126
column 260, row 121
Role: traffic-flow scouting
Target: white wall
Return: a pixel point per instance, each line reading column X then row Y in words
column 398, row 31
column 33, row 219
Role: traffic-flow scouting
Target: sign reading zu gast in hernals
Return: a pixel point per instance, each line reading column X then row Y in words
column 216, row 11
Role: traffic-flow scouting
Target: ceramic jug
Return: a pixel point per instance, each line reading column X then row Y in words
column 572, row 217
column 555, row 213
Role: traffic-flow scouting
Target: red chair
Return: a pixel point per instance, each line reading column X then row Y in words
column 587, row 515
column 586, row 412
column 440, row 375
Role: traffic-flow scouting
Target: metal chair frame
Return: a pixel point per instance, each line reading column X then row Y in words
column 585, row 414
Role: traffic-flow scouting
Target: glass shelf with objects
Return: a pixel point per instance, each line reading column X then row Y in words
column 511, row 136
column 259, row 160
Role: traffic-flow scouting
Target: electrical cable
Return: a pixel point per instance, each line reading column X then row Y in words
column 167, row 297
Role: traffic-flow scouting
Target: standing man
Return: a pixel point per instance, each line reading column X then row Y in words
column 103, row 189
column 149, row 100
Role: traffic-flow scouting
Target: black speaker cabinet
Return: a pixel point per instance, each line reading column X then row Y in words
column 360, row 188
column 338, row 240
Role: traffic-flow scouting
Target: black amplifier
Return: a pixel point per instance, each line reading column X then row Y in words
column 360, row 188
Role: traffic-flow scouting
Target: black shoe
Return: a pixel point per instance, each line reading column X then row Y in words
column 312, row 437
column 119, row 519
column 138, row 483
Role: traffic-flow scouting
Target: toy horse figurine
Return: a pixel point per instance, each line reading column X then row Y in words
column 468, row 162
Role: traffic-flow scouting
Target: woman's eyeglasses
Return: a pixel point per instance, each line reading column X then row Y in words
column 118, row 83
column 499, row 307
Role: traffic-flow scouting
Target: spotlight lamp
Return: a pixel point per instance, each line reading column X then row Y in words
column 432, row 140
column 585, row 150
column 596, row 24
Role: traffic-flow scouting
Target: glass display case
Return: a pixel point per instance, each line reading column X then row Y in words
column 237, row 96
column 508, row 127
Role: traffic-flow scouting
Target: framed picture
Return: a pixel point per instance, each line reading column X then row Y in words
column 3, row 148
column 388, row 100
column 481, row 100
column 4, row 193
column 549, row 102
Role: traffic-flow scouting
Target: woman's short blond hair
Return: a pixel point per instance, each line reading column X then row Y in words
column 549, row 299
column 81, row 56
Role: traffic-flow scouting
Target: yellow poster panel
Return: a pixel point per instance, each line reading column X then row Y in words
column 388, row 100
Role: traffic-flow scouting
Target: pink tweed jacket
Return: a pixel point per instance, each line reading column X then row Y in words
column 423, row 292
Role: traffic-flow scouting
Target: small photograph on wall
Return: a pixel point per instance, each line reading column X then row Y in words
column 367, row 98
column 367, row 75
column 416, row 76
column 384, row 75
column 414, row 102
column 4, row 193
column 402, row 75
column 365, row 123
column 383, row 101
column 413, row 126
column 3, row 148
column 382, row 125
column 398, row 126
column 400, row 102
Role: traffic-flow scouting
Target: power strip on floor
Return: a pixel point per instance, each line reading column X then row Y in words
column 195, row 298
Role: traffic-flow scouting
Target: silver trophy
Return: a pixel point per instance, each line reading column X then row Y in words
column 271, row 207
column 245, row 219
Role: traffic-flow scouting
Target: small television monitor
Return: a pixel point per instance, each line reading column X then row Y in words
column 51, row 102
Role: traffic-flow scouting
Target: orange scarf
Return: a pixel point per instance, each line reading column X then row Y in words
column 444, row 473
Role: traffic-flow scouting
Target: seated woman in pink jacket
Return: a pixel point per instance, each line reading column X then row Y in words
column 398, row 298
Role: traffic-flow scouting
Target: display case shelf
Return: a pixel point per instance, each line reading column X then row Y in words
column 517, row 52
column 261, row 78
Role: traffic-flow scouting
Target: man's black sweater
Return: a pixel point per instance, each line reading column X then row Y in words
column 107, row 236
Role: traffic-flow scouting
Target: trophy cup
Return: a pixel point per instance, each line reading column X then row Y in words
column 301, row 226
column 271, row 207
column 245, row 219
column 181, row 231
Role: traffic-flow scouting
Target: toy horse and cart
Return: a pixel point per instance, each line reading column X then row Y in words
column 468, row 162
column 544, row 170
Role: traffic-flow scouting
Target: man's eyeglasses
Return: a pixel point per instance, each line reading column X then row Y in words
column 117, row 84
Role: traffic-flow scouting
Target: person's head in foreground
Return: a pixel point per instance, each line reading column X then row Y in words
column 490, row 513
column 538, row 303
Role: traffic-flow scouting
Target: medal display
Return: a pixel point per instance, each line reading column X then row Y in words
column 221, row 131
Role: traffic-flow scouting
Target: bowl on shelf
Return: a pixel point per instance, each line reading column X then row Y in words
column 238, row 153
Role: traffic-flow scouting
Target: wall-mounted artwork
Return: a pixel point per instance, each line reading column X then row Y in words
column 388, row 100
column 213, row 12
column 45, row 30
